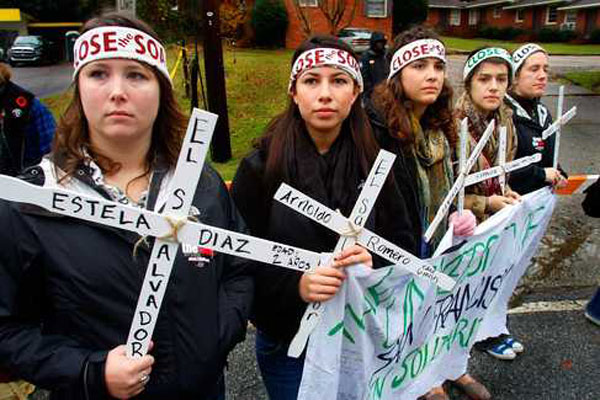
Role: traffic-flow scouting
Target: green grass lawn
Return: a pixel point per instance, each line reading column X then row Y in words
column 588, row 79
column 554, row 48
column 256, row 83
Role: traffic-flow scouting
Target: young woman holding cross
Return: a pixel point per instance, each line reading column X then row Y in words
column 68, row 289
column 531, row 118
column 321, row 145
column 412, row 117
column 487, row 75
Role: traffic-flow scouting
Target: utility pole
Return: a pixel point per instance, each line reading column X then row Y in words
column 215, row 79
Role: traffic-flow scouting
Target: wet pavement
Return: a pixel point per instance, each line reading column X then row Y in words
column 44, row 81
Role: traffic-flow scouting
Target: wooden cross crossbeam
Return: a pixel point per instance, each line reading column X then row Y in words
column 493, row 172
column 566, row 117
column 170, row 228
column 351, row 231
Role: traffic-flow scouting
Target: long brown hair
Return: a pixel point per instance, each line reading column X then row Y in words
column 5, row 73
column 390, row 99
column 72, row 133
column 287, row 127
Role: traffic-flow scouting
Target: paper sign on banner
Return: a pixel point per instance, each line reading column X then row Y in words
column 577, row 184
column 358, row 217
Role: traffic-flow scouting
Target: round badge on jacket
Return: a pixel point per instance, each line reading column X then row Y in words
column 21, row 101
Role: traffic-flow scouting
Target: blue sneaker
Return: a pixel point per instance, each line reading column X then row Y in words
column 592, row 318
column 516, row 346
column 502, row 351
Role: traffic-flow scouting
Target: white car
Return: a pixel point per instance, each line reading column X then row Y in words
column 357, row 38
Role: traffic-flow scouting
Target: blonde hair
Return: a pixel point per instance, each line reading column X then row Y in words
column 5, row 73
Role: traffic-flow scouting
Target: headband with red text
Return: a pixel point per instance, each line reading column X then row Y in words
column 422, row 48
column 522, row 53
column 485, row 54
column 119, row 42
column 329, row 57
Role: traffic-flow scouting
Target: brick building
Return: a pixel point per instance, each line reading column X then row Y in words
column 466, row 17
column 372, row 14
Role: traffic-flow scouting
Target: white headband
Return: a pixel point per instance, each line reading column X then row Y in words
column 522, row 53
column 321, row 57
column 422, row 48
column 485, row 54
column 119, row 42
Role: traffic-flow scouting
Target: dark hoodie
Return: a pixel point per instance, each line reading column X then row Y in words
column 531, row 117
column 374, row 66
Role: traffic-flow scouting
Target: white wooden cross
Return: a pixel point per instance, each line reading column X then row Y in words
column 503, row 167
column 170, row 228
column 458, row 187
column 561, row 120
column 559, row 110
column 464, row 179
column 351, row 231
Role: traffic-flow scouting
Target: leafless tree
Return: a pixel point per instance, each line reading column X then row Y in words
column 338, row 13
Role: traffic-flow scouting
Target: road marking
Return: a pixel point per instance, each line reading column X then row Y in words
column 549, row 306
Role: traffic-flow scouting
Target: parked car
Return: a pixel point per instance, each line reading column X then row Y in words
column 32, row 50
column 357, row 38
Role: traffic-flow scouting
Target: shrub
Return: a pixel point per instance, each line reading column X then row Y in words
column 489, row 32
column 233, row 17
column 595, row 36
column 556, row 35
column 269, row 20
column 492, row 32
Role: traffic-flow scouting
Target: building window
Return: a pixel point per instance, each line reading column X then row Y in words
column 454, row 17
column 520, row 15
column 571, row 16
column 570, row 20
column 551, row 15
column 473, row 17
column 376, row 8
column 308, row 3
column 497, row 12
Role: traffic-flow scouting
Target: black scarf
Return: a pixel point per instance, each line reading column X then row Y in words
column 332, row 178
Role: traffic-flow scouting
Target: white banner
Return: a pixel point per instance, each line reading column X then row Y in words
column 395, row 336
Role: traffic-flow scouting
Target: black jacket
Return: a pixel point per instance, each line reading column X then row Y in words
column 405, row 170
column 374, row 66
column 278, row 305
column 591, row 202
column 15, row 112
column 68, row 290
column 529, row 126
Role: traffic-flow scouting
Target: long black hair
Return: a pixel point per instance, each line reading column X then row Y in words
column 287, row 127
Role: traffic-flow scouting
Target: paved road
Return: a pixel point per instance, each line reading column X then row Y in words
column 44, row 80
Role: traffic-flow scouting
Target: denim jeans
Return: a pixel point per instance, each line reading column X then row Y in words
column 281, row 374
